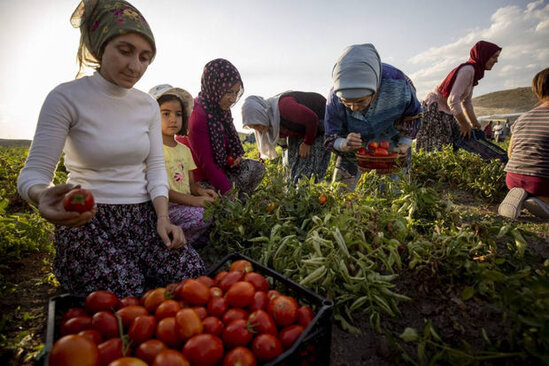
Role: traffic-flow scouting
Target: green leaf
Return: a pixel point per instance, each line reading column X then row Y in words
column 467, row 293
column 409, row 335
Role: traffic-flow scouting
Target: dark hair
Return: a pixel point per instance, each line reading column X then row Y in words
column 185, row 118
column 540, row 84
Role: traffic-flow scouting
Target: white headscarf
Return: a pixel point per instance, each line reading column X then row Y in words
column 259, row 111
column 357, row 72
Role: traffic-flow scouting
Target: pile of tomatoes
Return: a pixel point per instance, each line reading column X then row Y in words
column 376, row 149
column 232, row 319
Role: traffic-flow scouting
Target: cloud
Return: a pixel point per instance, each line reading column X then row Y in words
column 522, row 32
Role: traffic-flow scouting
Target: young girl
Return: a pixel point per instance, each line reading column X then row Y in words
column 110, row 133
column 187, row 197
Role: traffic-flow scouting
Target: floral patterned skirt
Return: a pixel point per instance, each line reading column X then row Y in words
column 119, row 250
column 190, row 219
column 437, row 129
column 315, row 164
column 247, row 176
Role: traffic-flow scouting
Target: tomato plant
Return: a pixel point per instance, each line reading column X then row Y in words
column 79, row 200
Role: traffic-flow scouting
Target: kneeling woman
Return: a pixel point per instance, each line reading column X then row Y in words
column 212, row 134
column 369, row 101
column 297, row 116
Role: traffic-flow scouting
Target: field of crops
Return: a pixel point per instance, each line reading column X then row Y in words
column 422, row 271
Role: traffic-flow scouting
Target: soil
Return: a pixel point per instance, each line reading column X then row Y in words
column 24, row 329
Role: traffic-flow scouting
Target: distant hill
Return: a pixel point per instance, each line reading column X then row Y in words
column 516, row 100
column 14, row 143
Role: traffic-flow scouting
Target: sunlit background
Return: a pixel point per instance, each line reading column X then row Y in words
column 277, row 45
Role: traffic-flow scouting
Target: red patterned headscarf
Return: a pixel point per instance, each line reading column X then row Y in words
column 479, row 55
column 218, row 77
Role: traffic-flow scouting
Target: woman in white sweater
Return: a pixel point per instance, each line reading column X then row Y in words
column 110, row 134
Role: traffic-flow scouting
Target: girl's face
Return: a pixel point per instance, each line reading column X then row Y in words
column 492, row 61
column 172, row 117
column 126, row 59
column 230, row 97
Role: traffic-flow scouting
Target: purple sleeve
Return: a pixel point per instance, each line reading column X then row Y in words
column 199, row 137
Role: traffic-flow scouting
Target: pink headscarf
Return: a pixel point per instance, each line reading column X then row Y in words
column 481, row 52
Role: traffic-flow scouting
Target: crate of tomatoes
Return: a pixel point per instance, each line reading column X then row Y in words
column 240, row 313
column 379, row 157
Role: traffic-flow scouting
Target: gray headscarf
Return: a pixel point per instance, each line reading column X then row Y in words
column 357, row 72
column 259, row 111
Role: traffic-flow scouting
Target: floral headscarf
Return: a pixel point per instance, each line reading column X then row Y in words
column 218, row 77
column 100, row 21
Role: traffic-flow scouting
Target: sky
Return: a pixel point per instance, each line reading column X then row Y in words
column 276, row 45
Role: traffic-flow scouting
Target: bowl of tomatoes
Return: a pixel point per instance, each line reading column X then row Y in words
column 379, row 157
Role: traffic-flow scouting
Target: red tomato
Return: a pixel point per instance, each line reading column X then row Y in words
column 148, row 350
column 261, row 322
column 165, row 332
column 283, row 309
column 259, row 301
column 215, row 291
column 195, row 292
column 129, row 313
column 167, row 308
column 258, row 280
column 362, row 151
column 230, row 160
column 234, row 314
column 79, row 200
column 110, row 350
column 128, row 361
column 237, row 334
column 212, row 325
column 155, row 298
column 384, row 144
column 76, row 324
column 73, row 350
column 305, row 315
column 229, row 279
column 372, row 146
column 204, row 349
column 92, row 335
column 271, row 294
column 218, row 277
column 74, row 312
column 142, row 329
column 145, row 295
column 239, row 356
column 201, row 311
column 127, row 301
column 208, row 281
column 170, row 357
column 100, row 300
column 266, row 347
column 322, row 199
column 187, row 323
column 106, row 323
column 217, row 306
column 289, row 335
column 381, row 152
column 241, row 265
column 240, row 294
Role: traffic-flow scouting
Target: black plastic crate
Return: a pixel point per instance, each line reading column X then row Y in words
column 478, row 144
column 311, row 348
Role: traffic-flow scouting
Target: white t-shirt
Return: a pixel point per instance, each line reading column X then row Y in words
column 111, row 138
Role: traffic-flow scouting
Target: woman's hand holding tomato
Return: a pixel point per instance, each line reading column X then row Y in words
column 50, row 205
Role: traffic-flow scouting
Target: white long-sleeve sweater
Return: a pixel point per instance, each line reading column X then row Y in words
column 111, row 137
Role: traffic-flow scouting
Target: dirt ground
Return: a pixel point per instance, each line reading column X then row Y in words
column 27, row 328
